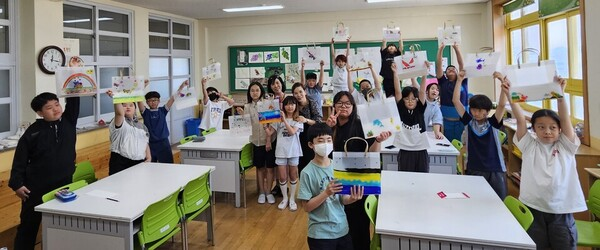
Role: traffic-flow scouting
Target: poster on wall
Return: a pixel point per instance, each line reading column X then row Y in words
column 78, row 81
column 242, row 72
column 242, row 57
column 242, row 83
column 271, row 57
column 257, row 72
column 255, row 57
column 292, row 74
column 285, row 54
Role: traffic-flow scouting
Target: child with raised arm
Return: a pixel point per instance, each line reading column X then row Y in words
column 44, row 160
column 549, row 183
column 367, row 90
column 388, row 52
column 340, row 72
column 484, row 153
column 287, row 155
column 411, row 104
column 453, row 127
column 433, row 114
column 312, row 87
column 155, row 119
column 327, row 223
column 212, row 114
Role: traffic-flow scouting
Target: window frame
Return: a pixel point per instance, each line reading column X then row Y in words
column 10, row 61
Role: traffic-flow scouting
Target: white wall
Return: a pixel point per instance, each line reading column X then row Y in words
column 365, row 25
column 592, row 8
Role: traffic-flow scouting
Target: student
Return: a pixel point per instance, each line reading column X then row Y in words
column 453, row 127
column 367, row 91
column 388, row 52
column 287, row 155
column 155, row 119
column 549, row 183
column 212, row 114
column 411, row 104
column 327, row 223
column 264, row 144
column 44, row 160
column 345, row 123
column 312, row 87
column 484, row 154
column 340, row 72
column 128, row 139
column 433, row 114
column 309, row 115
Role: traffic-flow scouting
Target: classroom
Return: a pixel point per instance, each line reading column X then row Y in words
column 208, row 63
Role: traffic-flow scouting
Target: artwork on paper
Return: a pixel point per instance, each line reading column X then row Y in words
column 449, row 35
column 340, row 32
column 212, row 71
column 71, row 47
column 271, row 57
column 482, row 64
column 391, row 33
column 274, row 71
column 257, row 72
column 78, row 81
column 240, row 125
column 411, row 64
column 268, row 111
column 242, row 83
column 285, row 54
column 292, row 74
column 255, row 57
column 533, row 82
column 379, row 116
column 186, row 98
column 371, row 54
column 313, row 56
column 128, row 89
column 242, row 57
column 242, row 72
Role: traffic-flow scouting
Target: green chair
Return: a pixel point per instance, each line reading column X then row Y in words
column 187, row 139
column 84, row 171
column 71, row 187
column 195, row 199
column 209, row 131
column 519, row 211
column 588, row 232
column 459, row 164
column 160, row 222
column 245, row 165
column 502, row 136
column 371, row 210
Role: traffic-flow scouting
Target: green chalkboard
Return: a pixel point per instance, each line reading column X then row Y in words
column 263, row 61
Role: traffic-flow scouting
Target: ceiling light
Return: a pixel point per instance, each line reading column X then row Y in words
column 381, row 1
column 87, row 20
column 256, row 8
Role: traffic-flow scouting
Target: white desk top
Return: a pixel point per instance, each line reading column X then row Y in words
column 135, row 188
column 219, row 140
column 433, row 148
column 409, row 206
column 593, row 172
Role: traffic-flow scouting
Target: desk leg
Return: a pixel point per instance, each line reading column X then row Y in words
column 210, row 230
column 237, row 185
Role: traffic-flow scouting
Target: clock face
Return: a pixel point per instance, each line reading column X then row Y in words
column 50, row 59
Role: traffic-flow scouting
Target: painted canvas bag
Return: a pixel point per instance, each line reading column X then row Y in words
column 533, row 81
column 357, row 169
column 483, row 63
column 379, row 116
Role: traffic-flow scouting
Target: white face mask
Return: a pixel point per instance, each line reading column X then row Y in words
column 323, row 149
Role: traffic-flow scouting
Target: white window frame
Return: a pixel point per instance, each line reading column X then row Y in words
column 9, row 61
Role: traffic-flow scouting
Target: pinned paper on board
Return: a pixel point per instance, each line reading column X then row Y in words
column 285, row 54
column 255, row 57
column 78, row 81
column 242, row 83
column 257, row 72
column 128, row 89
column 242, row 72
column 271, row 57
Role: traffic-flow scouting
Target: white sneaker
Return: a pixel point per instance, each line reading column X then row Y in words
column 293, row 205
column 261, row 199
column 283, row 204
column 270, row 199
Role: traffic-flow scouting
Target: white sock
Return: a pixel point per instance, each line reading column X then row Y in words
column 284, row 190
column 293, row 185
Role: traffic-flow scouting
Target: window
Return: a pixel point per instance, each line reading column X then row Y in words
column 105, row 42
column 170, row 65
column 562, row 43
column 8, row 65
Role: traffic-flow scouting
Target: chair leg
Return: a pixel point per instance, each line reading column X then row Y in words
column 184, row 234
column 210, row 225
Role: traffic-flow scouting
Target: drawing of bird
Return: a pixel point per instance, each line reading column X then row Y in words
column 409, row 64
column 311, row 55
column 377, row 123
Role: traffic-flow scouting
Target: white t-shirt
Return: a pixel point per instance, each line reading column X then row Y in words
column 288, row 145
column 549, row 180
column 359, row 98
column 129, row 141
column 212, row 116
column 339, row 80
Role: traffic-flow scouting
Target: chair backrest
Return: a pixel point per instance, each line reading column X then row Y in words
column 196, row 195
column 593, row 201
column 159, row 219
column 502, row 136
column 519, row 211
column 187, row 139
column 457, row 144
column 84, row 171
column 371, row 208
column 246, row 156
column 71, row 187
column 209, row 131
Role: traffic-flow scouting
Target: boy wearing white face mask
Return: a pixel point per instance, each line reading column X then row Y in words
column 327, row 223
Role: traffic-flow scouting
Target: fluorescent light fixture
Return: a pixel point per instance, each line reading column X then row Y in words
column 256, row 8
column 381, row 1
column 87, row 20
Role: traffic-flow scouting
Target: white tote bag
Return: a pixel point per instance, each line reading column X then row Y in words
column 533, row 81
column 212, row 71
column 449, row 34
column 357, row 169
column 340, row 32
column 186, row 98
column 391, row 33
column 378, row 116
column 483, row 63
column 411, row 63
column 76, row 81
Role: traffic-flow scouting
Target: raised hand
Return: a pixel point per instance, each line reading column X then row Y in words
column 332, row 119
column 442, row 45
column 109, row 93
column 383, row 136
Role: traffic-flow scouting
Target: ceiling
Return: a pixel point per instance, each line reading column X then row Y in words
column 205, row 9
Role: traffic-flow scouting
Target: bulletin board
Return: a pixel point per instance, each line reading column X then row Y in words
column 257, row 63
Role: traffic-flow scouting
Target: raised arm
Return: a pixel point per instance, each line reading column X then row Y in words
column 141, row 105
column 458, row 56
column 383, row 44
column 349, row 79
column 439, row 71
column 423, row 87
column 460, row 108
column 376, row 82
column 204, row 92
column 563, row 114
column 401, row 44
column 321, row 74
column 347, row 47
column 71, row 112
column 119, row 111
column 172, row 98
column 502, row 102
column 229, row 101
column 516, row 110
column 302, row 77
column 397, row 87
column 332, row 49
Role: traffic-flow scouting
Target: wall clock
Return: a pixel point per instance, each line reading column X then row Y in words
column 50, row 58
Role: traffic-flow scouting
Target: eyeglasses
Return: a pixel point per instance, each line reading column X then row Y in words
column 406, row 99
column 343, row 104
column 153, row 100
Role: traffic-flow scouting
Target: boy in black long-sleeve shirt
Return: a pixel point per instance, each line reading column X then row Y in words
column 44, row 160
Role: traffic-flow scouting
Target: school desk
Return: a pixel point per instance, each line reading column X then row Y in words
column 411, row 214
column 106, row 213
column 442, row 158
column 222, row 150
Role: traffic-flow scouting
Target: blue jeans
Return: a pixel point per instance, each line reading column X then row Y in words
column 553, row 231
column 453, row 129
column 161, row 151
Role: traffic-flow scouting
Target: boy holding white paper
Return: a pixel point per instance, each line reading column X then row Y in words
column 212, row 114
